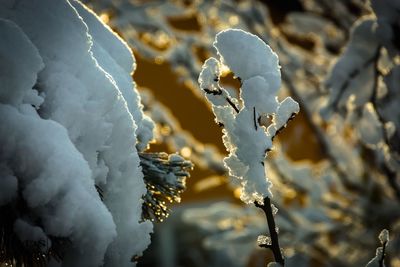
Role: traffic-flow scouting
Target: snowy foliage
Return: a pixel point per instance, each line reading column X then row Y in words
column 256, row 65
column 70, row 122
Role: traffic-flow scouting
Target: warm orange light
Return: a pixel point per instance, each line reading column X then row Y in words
column 105, row 17
column 159, row 60
column 233, row 20
column 186, row 152
column 237, row 192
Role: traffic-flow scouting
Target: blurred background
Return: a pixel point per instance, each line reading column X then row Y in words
column 334, row 167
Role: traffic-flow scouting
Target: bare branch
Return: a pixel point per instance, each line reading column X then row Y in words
column 276, row 250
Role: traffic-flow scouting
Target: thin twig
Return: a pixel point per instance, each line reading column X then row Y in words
column 232, row 104
column 276, row 250
column 254, row 118
column 382, row 259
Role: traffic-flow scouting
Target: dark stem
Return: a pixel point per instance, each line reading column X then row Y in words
column 382, row 259
column 232, row 104
column 276, row 250
column 254, row 118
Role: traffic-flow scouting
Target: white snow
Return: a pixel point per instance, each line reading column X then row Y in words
column 250, row 59
column 116, row 58
column 19, row 72
column 369, row 127
column 256, row 92
column 56, row 181
column 248, row 56
column 69, row 112
column 8, row 183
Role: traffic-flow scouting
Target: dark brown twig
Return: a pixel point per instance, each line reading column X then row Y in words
column 274, row 246
column 382, row 259
column 232, row 104
column 254, row 118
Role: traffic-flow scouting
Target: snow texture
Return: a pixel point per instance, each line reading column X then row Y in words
column 370, row 128
column 68, row 121
column 247, row 141
column 28, row 233
column 114, row 56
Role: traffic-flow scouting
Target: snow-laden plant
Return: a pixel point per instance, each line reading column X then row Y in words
column 72, row 135
column 246, row 136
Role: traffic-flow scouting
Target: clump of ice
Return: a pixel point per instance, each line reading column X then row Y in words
column 248, row 141
column 70, row 120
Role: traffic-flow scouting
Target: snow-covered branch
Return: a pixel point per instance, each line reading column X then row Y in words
column 245, row 137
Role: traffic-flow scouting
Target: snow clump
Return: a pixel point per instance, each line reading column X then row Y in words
column 246, row 137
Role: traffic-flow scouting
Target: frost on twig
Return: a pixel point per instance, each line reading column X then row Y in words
column 247, row 141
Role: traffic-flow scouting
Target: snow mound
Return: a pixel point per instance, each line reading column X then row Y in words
column 71, row 121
